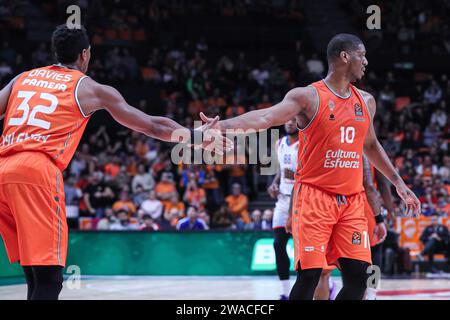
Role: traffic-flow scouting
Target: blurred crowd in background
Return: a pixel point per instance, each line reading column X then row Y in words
column 124, row 180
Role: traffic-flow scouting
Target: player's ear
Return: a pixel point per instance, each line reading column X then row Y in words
column 85, row 54
column 344, row 56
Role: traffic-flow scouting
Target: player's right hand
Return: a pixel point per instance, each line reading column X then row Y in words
column 273, row 190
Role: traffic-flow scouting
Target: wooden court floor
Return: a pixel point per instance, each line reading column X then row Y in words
column 215, row 288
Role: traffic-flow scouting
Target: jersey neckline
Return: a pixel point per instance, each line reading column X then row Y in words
column 337, row 94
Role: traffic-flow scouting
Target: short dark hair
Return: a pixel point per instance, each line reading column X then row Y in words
column 146, row 216
column 68, row 43
column 342, row 42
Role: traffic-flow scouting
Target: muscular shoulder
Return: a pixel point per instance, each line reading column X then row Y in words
column 95, row 96
column 369, row 100
column 307, row 96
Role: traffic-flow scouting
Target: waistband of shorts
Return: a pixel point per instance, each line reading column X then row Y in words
column 330, row 193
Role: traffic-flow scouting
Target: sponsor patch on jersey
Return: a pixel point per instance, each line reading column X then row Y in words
column 358, row 110
column 309, row 249
column 356, row 238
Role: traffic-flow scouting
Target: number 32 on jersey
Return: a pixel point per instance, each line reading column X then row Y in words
column 32, row 118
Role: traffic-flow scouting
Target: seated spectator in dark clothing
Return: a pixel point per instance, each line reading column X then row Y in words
column 223, row 219
column 256, row 223
column 191, row 222
column 148, row 224
column 98, row 195
column 436, row 240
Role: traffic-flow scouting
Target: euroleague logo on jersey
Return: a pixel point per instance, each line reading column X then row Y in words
column 359, row 112
column 356, row 238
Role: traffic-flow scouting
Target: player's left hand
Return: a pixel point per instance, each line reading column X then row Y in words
column 380, row 232
column 413, row 208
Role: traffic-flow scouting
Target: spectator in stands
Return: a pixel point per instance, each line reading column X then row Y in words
column 148, row 224
column 191, row 222
column 195, row 195
column 439, row 117
column 256, row 223
column 174, row 206
column 433, row 93
column 166, row 188
column 108, row 219
column 222, row 218
column 267, row 216
column 98, row 195
column 124, row 203
column 143, row 178
column 78, row 164
column 73, row 194
column 122, row 222
column 139, row 196
column 152, row 206
column 435, row 238
column 212, row 189
column 237, row 203
column 204, row 216
column 315, row 66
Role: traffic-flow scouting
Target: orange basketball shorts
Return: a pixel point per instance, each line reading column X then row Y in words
column 326, row 227
column 32, row 211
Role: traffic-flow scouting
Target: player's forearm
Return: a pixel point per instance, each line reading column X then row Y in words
column 166, row 129
column 384, row 188
column 156, row 127
column 276, row 179
column 373, row 199
column 256, row 119
column 378, row 157
column 371, row 192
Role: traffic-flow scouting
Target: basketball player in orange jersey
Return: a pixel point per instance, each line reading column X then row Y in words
column 335, row 121
column 45, row 112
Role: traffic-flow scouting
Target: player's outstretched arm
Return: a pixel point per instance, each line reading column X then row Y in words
column 378, row 157
column 296, row 101
column 93, row 96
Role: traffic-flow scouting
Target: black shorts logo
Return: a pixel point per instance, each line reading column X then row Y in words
column 356, row 238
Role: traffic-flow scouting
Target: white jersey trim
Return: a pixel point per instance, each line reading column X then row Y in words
column 76, row 95
column 315, row 113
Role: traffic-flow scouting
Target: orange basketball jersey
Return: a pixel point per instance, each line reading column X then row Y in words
column 43, row 114
column 331, row 153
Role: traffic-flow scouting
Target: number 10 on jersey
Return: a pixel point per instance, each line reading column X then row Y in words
column 347, row 134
